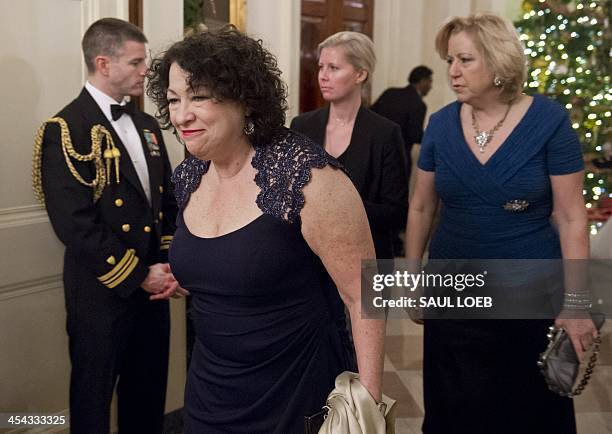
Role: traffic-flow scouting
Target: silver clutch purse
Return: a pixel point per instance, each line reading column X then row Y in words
column 559, row 363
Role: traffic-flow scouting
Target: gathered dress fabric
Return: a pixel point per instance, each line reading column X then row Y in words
column 481, row 376
column 270, row 329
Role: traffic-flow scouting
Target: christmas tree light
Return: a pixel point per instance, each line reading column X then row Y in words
column 573, row 67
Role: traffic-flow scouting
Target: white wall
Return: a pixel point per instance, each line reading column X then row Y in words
column 42, row 70
column 277, row 24
column 39, row 69
column 404, row 33
column 163, row 25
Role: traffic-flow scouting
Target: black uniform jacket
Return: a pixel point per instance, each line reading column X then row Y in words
column 109, row 242
column 374, row 160
column 405, row 107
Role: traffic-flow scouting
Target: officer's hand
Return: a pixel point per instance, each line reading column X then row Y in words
column 172, row 288
column 158, row 279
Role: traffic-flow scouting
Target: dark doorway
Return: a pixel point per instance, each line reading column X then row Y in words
column 135, row 17
column 320, row 19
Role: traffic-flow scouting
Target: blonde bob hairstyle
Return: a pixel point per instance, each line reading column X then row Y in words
column 358, row 49
column 498, row 42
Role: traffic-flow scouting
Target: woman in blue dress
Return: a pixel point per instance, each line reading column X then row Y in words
column 268, row 228
column 501, row 163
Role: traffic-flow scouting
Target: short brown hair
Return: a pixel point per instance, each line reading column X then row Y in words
column 499, row 43
column 105, row 37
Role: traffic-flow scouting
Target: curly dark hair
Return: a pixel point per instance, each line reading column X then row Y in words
column 232, row 67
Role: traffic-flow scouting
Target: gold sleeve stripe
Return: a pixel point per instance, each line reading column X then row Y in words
column 119, row 269
column 166, row 240
column 124, row 274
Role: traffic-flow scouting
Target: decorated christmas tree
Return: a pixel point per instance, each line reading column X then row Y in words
column 568, row 44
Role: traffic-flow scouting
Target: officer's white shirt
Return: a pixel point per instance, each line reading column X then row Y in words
column 127, row 132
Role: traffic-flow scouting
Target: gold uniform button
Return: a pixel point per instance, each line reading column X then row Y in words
column 111, row 260
column 161, row 215
column 118, row 202
column 161, row 188
column 147, row 228
column 125, row 228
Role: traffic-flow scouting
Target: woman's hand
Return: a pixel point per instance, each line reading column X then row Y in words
column 416, row 315
column 570, row 215
column 420, row 219
column 581, row 332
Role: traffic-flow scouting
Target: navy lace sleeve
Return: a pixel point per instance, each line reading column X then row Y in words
column 186, row 178
column 283, row 169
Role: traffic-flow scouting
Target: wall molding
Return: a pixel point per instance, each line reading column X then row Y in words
column 22, row 216
column 32, row 286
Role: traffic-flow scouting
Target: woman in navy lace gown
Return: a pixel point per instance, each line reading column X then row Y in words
column 501, row 163
column 268, row 228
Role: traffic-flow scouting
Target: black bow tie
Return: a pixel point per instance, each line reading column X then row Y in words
column 118, row 110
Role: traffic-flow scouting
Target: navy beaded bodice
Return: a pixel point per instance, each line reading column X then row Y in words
column 283, row 169
column 478, row 219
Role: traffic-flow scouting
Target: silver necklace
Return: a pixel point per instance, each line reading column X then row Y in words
column 484, row 137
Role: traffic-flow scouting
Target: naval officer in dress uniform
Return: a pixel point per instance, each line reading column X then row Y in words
column 102, row 171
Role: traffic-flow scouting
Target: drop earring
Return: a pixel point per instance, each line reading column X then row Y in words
column 249, row 127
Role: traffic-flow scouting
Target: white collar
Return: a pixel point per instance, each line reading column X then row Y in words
column 103, row 100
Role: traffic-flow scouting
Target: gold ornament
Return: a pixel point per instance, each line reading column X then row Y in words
column 98, row 132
